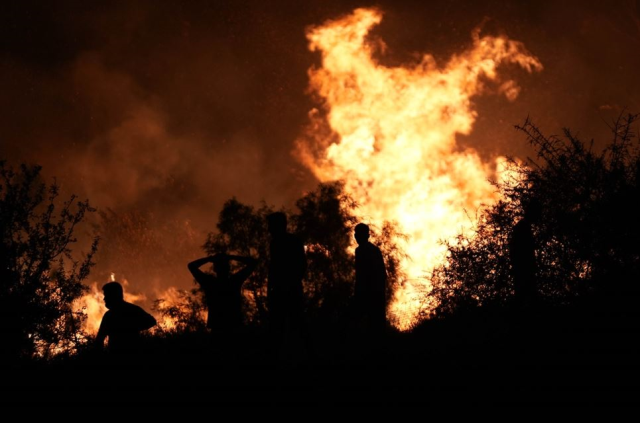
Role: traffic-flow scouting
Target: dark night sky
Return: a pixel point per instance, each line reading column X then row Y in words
column 174, row 107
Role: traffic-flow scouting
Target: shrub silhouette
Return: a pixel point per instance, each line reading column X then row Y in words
column 588, row 235
column 40, row 278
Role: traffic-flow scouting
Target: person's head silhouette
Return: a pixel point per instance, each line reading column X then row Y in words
column 113, row 294
column 361, row 233
column 221, row 265
column 277, row 223
column 533, row 210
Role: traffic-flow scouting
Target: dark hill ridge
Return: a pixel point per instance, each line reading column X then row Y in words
column 571, row 356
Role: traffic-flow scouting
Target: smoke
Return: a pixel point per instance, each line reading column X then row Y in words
column 163, row 185
column 157, row 121
column 168, row 110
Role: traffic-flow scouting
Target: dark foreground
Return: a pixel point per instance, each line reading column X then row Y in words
column 557, row 359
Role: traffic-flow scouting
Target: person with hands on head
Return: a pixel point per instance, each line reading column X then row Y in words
column 223, row 289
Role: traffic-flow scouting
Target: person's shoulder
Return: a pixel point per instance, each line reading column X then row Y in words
column 368, row 250
column 132, row 307
column 372, row 247
column 378, row 252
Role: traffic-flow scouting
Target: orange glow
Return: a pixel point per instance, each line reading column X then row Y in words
column 390, row 134
column 93, row 306
column 171, row 298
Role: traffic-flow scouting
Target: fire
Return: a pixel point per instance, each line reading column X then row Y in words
column 172, row 297
column 390, row 134
column 93, row 306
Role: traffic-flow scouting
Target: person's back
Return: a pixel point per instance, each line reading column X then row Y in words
column 124, row 324
column 224, row 301
column 286, row 267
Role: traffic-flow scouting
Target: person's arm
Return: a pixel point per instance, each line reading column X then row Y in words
column 138, row 319
column 146, row 321
column 194, row 266
column 102, row 332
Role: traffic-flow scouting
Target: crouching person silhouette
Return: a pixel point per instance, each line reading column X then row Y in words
column 123, row 323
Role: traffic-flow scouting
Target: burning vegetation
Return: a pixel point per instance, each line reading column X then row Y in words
column 390, row 134
column 383, row 145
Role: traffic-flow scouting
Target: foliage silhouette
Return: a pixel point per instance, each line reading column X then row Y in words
column 587, row 237
column 40, row 277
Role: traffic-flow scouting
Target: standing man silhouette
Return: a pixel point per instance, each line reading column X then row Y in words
column 223, row 291
column 371, row 283
column 522, row 252
column 287, row 267
column 123, row 323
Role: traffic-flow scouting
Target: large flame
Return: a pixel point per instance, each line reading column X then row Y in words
column 390, row 134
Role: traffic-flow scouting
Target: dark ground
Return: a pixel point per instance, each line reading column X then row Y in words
column 563, row 357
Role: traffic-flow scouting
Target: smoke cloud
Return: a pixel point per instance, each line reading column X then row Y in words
column 168, row 110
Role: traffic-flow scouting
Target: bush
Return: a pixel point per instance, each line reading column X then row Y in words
column 40, row 278
column 587, row 239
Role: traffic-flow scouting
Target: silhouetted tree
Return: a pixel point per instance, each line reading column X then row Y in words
column 588, row 234
column 324, row 221
column 39, row 277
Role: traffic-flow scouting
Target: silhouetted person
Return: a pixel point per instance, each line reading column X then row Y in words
column 123, row 323
column 223, row 291
column 371, row 283
column 522, row 251
column 287, row 267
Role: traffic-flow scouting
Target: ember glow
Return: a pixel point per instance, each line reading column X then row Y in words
column 390, row 134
